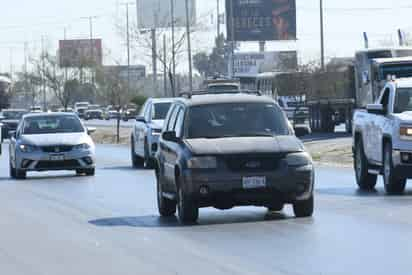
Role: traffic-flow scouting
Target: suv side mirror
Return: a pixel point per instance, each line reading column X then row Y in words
column 141, row 119
column 170, row 136
column 301, row 131
column 91, row 130
column 376, row 109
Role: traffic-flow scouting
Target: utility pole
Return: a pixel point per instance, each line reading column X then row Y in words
column 189, row 47
column 43, row 70
column 218, row 18
column 232, row 38
column 154, row 59
column 322, row 38
column 164, row 65
column 25, row 74
column 172, row 18
column 128, row 44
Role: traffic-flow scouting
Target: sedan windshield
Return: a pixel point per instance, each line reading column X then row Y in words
column 52, row 125
column 236, row 120
column 160, row 110
column 403, row 101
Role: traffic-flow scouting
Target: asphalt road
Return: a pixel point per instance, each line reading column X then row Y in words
column 56, row 223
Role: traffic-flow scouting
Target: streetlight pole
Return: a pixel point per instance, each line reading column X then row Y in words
column 218, row 18
column 128, row 44
column 189, row 47
column 91, row 18
column 322, row 38
column 172, row 18
column 43, row 56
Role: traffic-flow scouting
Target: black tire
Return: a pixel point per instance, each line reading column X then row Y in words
column 166, row 207
column 20, row 174
column 276, row 207
column 148, row 162
column 393, row 184
column 79, row 172
column 12, row 171
column 137, row 162
column 304, row 209
column 90, row 172
column 188, row 211
column 364, row 180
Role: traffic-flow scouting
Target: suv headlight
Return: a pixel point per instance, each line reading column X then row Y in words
column 202, row 163
column 405, row 133
column 27, row 148
column 83, row 146
column 299, row 159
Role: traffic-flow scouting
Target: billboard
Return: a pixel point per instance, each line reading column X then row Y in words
column 261, row 20
column 157, row 13
column 251, row 64
column 137, row 72
column 80, row 52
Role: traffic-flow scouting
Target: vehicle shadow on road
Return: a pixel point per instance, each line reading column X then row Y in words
column 324, row 137
column 353, row 192
column 122, row 168
column 162, row 222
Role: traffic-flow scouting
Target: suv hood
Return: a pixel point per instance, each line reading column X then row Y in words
column 245, row 145
column 56, row 139
column 405, row 117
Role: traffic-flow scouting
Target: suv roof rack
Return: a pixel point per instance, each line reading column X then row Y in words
column 205, row 92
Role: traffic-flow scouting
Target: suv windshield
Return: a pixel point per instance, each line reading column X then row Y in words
column 403, row 100
column 52, row 125
column 160, row 110
column 236, row 120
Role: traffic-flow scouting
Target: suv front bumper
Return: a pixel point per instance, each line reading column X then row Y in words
column 286, row 185
column 403, row 168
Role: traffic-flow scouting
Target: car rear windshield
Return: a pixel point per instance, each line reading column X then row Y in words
column 403, row 100
column 236, row 120
column 160, row 110
column 52, row 125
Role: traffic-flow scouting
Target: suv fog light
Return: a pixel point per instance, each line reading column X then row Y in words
column 204, row 190
column 88, row 160
column 26, row 163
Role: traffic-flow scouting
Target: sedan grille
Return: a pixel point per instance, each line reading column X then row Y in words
column 57, row 164
column 253, row 163
column 57, row 149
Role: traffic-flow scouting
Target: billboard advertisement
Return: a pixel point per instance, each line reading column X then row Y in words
column 80, row 52
column 261, row 20
column 251, row 64
column 157, row 13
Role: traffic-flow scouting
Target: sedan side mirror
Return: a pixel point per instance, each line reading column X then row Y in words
column 301, row 131
column 376, row 109
column 170, row 136
column 141, row 119
column 91, row 130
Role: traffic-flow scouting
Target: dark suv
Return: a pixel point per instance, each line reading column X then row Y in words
column 227, row 150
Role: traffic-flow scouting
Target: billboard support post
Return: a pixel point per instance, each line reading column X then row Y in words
column 154, row 59
column 322, row 38
column 189, row 47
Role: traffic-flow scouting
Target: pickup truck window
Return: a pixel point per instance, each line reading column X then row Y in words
column 403, row 100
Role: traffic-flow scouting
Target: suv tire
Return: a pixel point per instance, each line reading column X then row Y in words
column 187, row 209
column 304, row 209
column 12, row 171
column 364, row 180
column 393, row 184
column 166, row 207
column 137, row 162
column 148, row 162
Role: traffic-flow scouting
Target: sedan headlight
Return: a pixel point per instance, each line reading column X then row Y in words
column 299, row 159
column 202, row 163
column 83, row 146
column 405, row 133
column 27, row 148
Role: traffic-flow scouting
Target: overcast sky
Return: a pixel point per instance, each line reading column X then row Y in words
column 28, row 20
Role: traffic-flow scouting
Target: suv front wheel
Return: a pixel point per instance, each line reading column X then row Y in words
column 304, row 209
column 167, row 208
column 187, row 209
column 393, row 184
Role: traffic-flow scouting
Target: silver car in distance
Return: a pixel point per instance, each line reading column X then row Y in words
column 51, row 142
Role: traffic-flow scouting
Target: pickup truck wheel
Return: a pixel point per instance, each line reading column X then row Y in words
column 304, row 209
column 393, row 184
column 187, row 209
column 364, row 180
column 167, row 208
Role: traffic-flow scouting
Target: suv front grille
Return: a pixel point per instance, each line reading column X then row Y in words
column 253, row 163
column 57, row 149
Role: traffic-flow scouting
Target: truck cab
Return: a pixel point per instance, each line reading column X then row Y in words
column 383, row 138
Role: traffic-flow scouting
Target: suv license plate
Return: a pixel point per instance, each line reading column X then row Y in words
column 56, row 157
column 254, row 182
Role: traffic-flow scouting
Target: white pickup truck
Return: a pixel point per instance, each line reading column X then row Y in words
column 383, row 138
